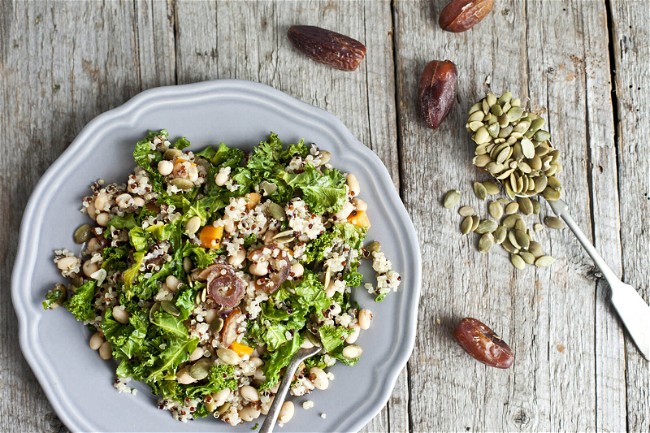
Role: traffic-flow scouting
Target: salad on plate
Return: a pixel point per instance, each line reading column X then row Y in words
column 205, row 272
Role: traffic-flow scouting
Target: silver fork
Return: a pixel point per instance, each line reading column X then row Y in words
column 274, row 410
column 631, row 307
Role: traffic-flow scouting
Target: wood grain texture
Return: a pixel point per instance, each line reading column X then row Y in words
column 631, row 51
column 61, row 64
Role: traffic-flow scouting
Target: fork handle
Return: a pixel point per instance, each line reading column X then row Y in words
column 560, row 208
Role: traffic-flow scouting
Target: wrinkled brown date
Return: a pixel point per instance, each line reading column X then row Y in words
column 483, row 344
column 328, row 47
column 437, row 91
column 461, row 15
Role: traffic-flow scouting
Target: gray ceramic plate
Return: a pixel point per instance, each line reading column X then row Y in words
column 77, row 382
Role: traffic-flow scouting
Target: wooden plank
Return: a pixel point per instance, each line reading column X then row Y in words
column 62, row 64
column 631, row 53
column 538, row 51
column 603, row 180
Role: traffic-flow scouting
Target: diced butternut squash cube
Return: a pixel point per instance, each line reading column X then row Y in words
column 241, row 349
column 359, row 218
column 210, row 236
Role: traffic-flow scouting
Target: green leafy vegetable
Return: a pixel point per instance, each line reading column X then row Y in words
column 54, row 296
column 81, row 302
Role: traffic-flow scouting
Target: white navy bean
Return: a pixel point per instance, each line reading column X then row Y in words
column 220, row 397
column 165, row 167
column 102, row 201
column 352, row 351
column 172, row 283
column 96, row 341
column 319, row 378
column 249, row 413
column 353, row 185
column 222, row 177
column 103, row 219
column 286, row 412
column 354, row 335
column 249, row 393
column 120, row 314
column 90, row 268
column 105, row 351
column 297, row 270
column 365, row 317
column 259, row 269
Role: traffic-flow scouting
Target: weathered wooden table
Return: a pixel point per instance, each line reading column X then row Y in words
column 584, row 64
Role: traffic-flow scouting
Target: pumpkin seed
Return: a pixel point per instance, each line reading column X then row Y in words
column 199, row 370
column 491, row 187
column 510, row 221
column 182, row 183
column 491, row 99
column 544, row 261
column 515, row 113
column 480, row 191
column 486, row 226
column 500, row 234
column 505, row 97
column 535, row 248
column 517, row 261
column 536, row 207
column 495, row 209
column 466, row 225
column 277, row 211
column 520, row 224
column 513, row 239
column 512, row 208
column 527, row 148
column 525, row 205
column 216, row 325
column 522, row 239
column 268, row 188
column 82, row 234
column 507, row 245
column 451, row 198
column 170, row 308
column 475, row 222
column 554, row 222
column 528, row 257
column 476, row 116
column 153, row 310
column 481, row 160
column 551, row 194
column 481, row 135
column 485, row 242
column 466, row 211
column 172, row 153
column 374, row 247
column 542, row 135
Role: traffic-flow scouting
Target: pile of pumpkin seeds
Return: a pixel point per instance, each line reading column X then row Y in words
column 512, row 146
column 506, row 224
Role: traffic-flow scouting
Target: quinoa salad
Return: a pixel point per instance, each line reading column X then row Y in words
column 205, row 272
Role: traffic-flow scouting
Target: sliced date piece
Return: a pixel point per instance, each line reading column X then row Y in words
column 328, row 47
column 224, row 286
column 483, row 344
column 437, row 90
